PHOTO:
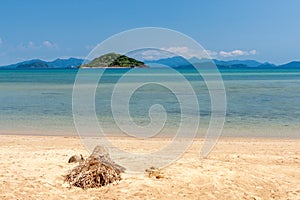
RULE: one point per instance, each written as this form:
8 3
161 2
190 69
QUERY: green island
114 60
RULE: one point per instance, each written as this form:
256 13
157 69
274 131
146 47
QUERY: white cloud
212 54
29 45
177 50
149 54
189 53
180 51
34 46
237 52
155 54
49 44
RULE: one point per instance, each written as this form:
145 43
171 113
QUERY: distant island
114 60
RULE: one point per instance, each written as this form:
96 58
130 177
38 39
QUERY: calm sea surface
264 103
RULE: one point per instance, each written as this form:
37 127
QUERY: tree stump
96 171
102 155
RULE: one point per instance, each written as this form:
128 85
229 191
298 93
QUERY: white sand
238 168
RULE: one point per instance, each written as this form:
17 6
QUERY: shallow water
261 103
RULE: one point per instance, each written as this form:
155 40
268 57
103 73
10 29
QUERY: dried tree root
96 171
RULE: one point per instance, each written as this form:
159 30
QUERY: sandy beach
32 167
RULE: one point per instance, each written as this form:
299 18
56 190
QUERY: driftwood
96 171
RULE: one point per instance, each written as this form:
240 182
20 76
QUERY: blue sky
258 29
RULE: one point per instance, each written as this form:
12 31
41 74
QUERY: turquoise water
261 103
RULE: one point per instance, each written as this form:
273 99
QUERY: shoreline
151 138
259 132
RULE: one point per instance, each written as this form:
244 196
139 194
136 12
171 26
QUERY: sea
259 102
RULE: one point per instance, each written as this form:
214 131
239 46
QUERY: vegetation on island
114 60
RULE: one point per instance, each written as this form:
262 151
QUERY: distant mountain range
178 61
175 62
40 64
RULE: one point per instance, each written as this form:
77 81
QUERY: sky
264 30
